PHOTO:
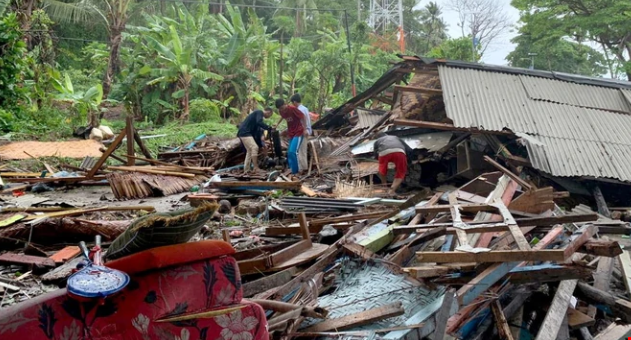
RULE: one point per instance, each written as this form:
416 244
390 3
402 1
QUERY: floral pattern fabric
196 301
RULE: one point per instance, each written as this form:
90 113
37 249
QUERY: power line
258 6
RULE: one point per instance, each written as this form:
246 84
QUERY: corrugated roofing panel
468 102
575 94
577 141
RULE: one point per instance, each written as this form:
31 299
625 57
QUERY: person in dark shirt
296 130
391 149
251 137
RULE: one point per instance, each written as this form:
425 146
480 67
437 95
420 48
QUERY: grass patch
178 134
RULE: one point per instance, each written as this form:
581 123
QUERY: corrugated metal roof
562 92
577 141
367 118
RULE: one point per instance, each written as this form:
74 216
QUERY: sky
497 52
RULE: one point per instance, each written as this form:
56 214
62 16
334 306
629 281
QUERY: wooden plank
548 273
446 127
614 331
308 191
65 254
491 256
491 275
105 155
290 252
420 238
141 144
150 170
503 329
433 271
349 218
258 184
600 202
576 319
415 89
535 201
525 185
359 251
304 227
602 248
578 238
558 311
359 319
65 213
257 286
515 231
470 208
443 314
625 266
26 260
619 307
602 277
129 130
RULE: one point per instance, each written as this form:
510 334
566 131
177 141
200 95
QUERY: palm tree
434 26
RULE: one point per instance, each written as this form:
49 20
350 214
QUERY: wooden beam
525 185
522 222
576 319
603 248
515 231
257 286
619 307
625 266
446 127
420 238
443 314
503 329
258 184
558 311
290 252
415 89
141 144
105 155
578 238
435 270
359 319
602 277
129 129
304 227
471 208
496 256
28 260
614 331
600 202
496 272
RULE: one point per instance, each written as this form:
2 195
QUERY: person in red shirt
296 130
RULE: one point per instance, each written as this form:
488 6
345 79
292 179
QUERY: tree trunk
280 93
184 116
113 64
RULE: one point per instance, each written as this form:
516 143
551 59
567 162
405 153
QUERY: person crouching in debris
296 130
250 136
391 149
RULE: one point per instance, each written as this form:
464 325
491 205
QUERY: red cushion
177 254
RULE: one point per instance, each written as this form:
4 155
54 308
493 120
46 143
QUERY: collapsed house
569 130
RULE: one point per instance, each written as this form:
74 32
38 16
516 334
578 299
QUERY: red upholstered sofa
182 292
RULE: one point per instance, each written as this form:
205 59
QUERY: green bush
204 110
13 61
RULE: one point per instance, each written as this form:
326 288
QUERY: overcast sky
496 53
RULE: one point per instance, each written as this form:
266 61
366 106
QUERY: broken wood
67 253
106 154
26 260
257 286
491 256
150 170
557 312
446 127
359 319
576 319
619 307
503 329
604 248
525 185
443 314
625 266
259 184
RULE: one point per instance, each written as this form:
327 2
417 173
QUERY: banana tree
177 63
85 104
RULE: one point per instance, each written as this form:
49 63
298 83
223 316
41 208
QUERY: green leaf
178 94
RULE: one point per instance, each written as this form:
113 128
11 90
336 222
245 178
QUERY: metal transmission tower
385 15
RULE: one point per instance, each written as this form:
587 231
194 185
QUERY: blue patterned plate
97 281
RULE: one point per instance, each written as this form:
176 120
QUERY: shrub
204 110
